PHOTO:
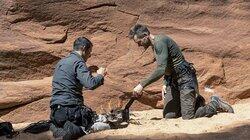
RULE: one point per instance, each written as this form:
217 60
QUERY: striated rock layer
35 34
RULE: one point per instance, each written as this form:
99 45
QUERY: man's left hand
102 71
137 92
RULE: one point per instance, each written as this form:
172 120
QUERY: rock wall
35 34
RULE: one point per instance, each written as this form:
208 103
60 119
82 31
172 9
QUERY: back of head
82 43
139 30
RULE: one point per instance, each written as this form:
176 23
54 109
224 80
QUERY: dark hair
82 42
139 30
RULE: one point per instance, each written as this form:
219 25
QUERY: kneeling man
70 117
182 98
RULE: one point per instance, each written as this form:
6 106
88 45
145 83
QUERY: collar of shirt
76 54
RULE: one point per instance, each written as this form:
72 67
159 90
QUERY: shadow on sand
239 132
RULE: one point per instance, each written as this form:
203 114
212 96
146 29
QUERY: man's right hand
137 91
102 71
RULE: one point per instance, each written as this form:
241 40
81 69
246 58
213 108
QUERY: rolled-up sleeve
85 77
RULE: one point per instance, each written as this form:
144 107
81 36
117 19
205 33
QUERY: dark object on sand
125 111
38 127
6 129
119 116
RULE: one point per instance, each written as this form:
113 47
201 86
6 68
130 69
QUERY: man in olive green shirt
181 95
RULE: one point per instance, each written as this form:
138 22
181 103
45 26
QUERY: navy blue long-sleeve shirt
70 77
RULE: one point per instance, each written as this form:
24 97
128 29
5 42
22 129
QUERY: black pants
72 120
182 97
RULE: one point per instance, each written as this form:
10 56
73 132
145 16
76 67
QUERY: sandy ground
151 126
214 35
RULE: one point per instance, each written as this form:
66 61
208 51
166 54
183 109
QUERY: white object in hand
101 71
138 88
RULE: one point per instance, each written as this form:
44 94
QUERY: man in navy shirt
70 117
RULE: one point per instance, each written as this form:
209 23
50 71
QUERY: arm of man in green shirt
161 54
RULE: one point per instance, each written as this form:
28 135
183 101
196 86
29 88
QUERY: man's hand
102 71
93 68
163 91
137 92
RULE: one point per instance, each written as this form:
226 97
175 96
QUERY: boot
221 105
57 131
171 115
72 131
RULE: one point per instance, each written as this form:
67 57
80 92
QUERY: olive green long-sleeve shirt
167 54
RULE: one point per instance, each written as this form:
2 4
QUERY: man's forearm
157 74
98 81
